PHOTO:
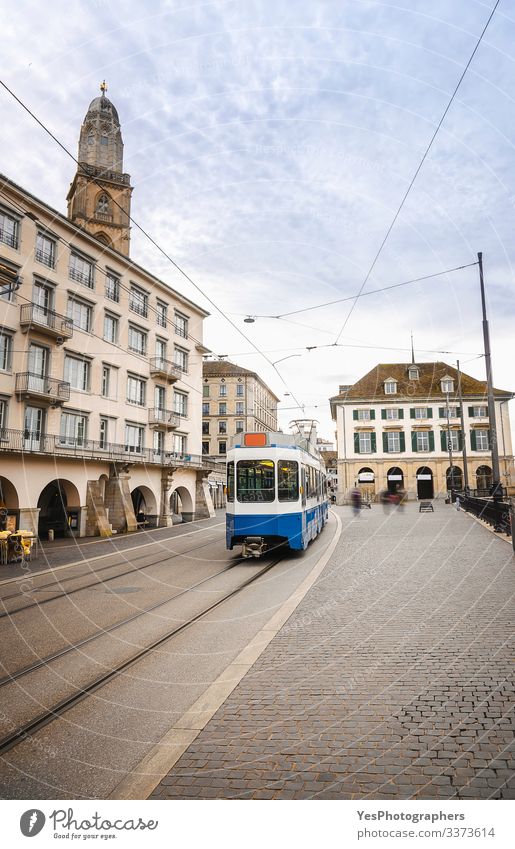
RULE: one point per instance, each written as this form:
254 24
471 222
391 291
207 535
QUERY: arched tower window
103 205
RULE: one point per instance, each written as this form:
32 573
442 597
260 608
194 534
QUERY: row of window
81 269
222 408
73 432
256 481
393 414
222 390
394 442
390 385
222 427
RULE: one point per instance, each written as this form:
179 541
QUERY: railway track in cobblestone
41 587
27 729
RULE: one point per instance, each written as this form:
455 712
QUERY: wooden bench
426 507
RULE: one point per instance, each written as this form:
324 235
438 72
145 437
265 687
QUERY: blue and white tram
276 492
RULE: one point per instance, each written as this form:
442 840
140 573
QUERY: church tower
99 199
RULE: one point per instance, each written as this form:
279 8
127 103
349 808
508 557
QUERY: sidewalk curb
146 775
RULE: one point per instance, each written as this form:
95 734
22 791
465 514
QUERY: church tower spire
99 199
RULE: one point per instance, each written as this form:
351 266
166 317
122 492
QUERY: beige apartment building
234 400
100 361
396 424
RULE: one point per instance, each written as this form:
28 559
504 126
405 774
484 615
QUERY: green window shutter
431 441
441 412
402 439
356 443
430 412
443 439
401 414
372 414
412 412
383 414
489 445
385 443
460 440
458 411
413 441
473 440
355 415
373 442
471 412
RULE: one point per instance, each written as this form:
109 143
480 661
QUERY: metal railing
44 317
8 238
167 418
84 277
38 384
495 513
159 365
36 442
46 257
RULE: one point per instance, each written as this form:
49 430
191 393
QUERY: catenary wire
417 172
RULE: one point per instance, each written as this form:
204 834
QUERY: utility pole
496 484
449 444
463 440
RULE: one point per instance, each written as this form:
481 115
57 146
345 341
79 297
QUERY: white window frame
9 235
365 443
393 442
115 324
222 390
363 415
81 270
240 408
161 313
133 329
138 300
181 323
482 436
421 413
180 358
77 372
134 445
390 387
480 411
180 403
136 390
392 414
73 428
85 310
422 436
6 351
45 249
447 385
240 390
112 287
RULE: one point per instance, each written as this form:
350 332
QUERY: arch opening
425 483
484 479
59 508
454 478
9 505
395 479
145 507
181 505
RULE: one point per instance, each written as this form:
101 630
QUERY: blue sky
269 144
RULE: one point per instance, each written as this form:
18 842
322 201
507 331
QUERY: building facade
234 400
402 426
100 374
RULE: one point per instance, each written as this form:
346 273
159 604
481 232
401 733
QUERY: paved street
390 680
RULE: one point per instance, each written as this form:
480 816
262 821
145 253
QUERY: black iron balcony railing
159 367
53 390
495 513
158 417
46 319
9 237
47 257
37 442
84 277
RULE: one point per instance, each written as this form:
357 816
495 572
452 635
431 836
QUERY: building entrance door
425 487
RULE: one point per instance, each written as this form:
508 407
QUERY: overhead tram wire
362 294
419 168
149 238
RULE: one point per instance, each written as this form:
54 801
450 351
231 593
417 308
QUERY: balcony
23 442
46 390
165 369
46 321
159 419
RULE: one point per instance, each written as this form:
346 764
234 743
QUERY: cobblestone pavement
390 680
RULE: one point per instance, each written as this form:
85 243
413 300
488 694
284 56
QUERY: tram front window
288 480
255 480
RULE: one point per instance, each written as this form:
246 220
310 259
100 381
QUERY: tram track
15 676
46 717
103 580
